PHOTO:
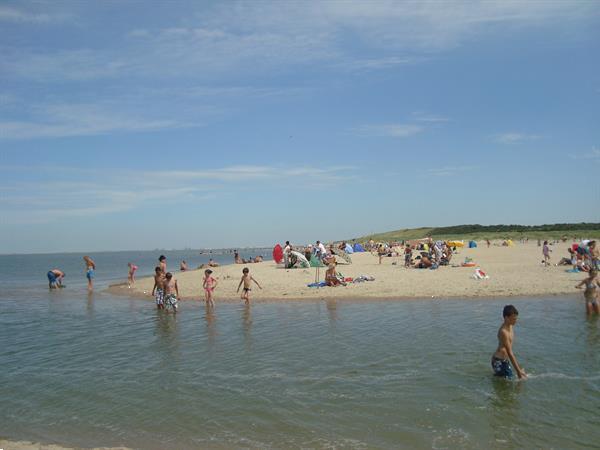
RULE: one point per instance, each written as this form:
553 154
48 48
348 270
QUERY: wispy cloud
64 120
448 170
11 14
515 138
397 130
93 192
593 155
431 118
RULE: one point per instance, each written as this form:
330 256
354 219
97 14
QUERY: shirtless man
247 280
162 263
55 278
158 291
171 291
504 356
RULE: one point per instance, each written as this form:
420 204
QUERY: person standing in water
504 357
171 291
90 267
209 284
591 292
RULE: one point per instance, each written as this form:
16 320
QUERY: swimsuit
502 367
159 295
209 284
89 273
52 278
171 300
247 289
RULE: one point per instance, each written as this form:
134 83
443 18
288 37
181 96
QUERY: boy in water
158 291
246 279
171 291
504 357
209 284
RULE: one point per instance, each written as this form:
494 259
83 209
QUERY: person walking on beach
162 263
546 251
209 284
247 280
90 266
504 356
158 291
171 291
591 293
131 273
55 277
407 256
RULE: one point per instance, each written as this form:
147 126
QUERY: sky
141 125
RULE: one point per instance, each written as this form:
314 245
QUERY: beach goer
131 273
381 251
158 291
90 266
236 258
55 277
487 241
592 292
407 256
287 251
209 284
162 263
331 277
595 255
321 251
546 252
183 266
247 282
212 263
171 291
504 360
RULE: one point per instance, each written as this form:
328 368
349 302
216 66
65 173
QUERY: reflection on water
412 374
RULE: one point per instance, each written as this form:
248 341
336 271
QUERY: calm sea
98 370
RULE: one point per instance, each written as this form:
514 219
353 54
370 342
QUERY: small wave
563 376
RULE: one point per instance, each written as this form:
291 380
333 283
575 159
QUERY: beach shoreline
514 271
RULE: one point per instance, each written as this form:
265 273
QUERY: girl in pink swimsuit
209 286
131 273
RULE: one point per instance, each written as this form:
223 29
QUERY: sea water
83 370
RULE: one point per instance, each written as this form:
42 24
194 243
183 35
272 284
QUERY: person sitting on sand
237 259
258 259
591 293
425 262
504 356
55 277
183 266
212 263
331 277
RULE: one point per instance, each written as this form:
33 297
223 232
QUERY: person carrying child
246 281
209 284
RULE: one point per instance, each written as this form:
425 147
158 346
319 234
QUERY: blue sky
136 125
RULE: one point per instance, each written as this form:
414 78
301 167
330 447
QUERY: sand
26 445
513 271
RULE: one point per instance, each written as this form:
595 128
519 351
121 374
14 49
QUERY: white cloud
92 192
593 155
448 170
515 138
390 130
423 117
10 14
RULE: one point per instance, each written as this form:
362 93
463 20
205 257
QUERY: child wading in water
246 280
158 291
209 286
591 292
504 356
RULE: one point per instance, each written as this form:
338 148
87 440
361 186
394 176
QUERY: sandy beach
513 271
26 445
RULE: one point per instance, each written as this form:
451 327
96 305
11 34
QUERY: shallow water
98 370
